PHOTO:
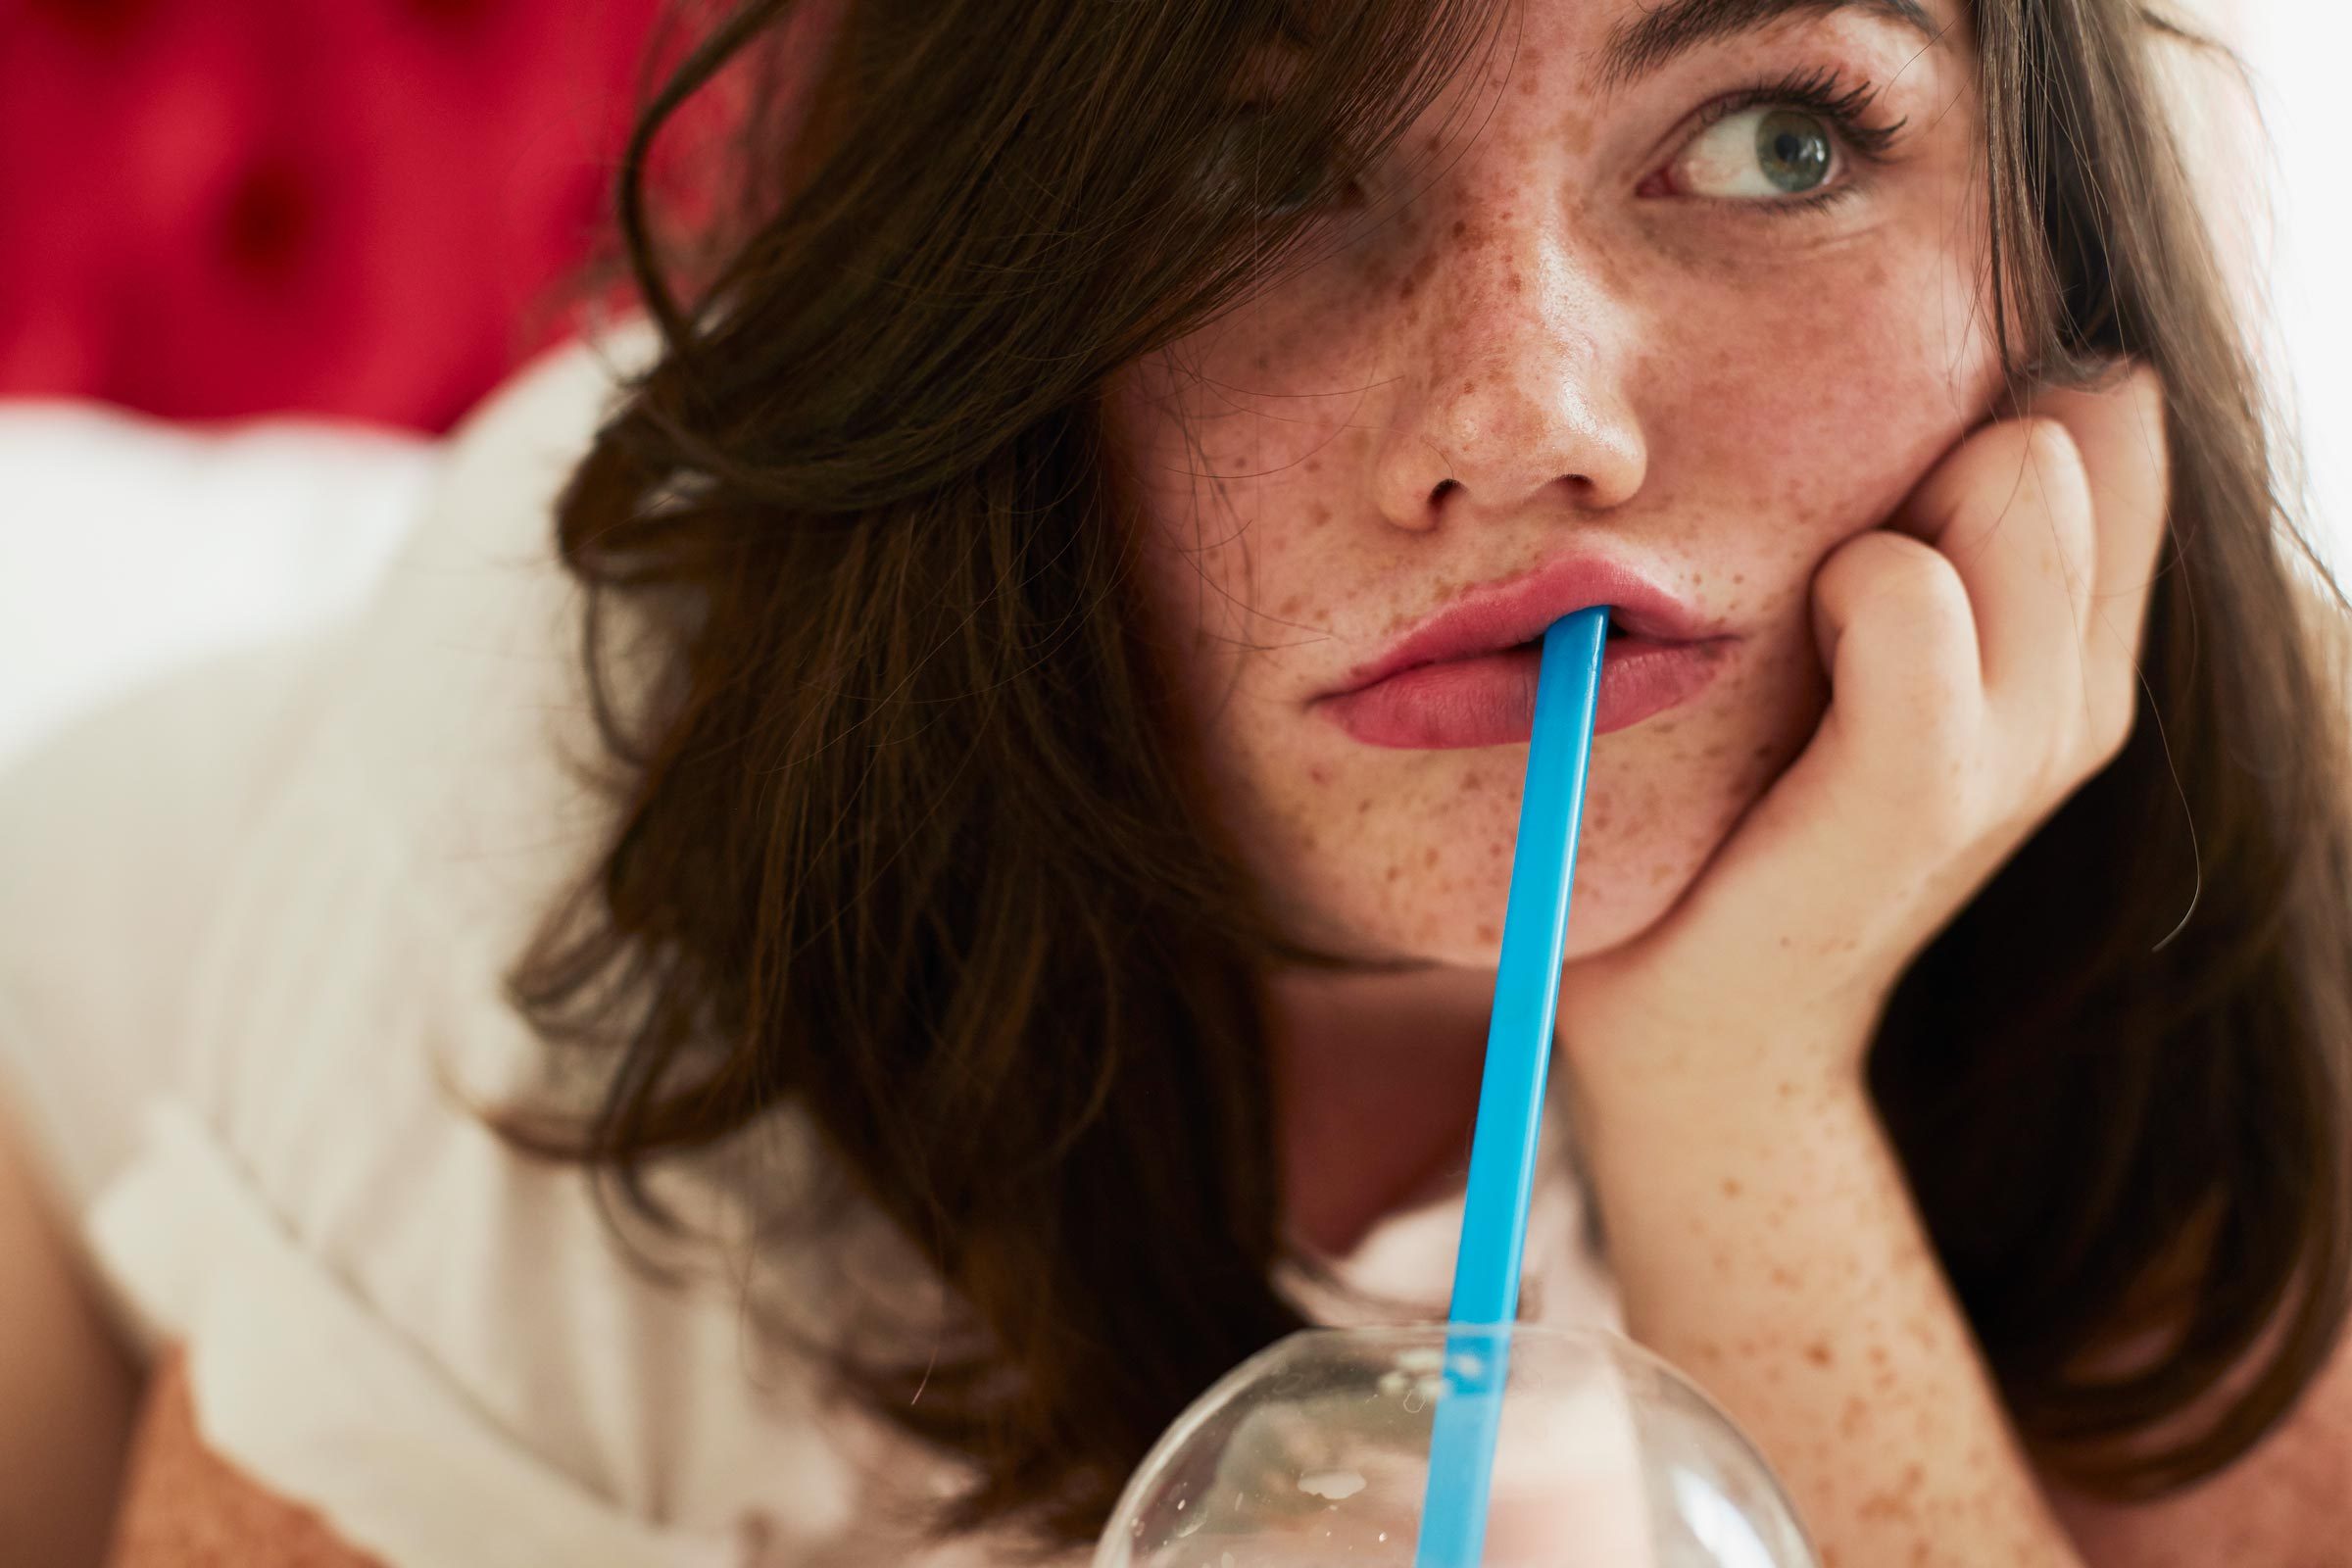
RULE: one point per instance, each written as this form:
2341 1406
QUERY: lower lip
1490 700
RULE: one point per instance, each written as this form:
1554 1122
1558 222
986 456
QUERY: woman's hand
1982 654
1982 657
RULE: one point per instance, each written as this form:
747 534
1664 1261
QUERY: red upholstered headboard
370 208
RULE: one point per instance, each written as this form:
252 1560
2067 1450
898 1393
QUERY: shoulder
384 1315
154 844
114 838
254 923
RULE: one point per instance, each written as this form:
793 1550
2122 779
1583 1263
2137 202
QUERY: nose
1519 400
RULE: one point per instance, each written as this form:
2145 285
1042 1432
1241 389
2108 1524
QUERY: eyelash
1821 92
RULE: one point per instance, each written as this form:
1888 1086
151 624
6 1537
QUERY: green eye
1758 154
1793 150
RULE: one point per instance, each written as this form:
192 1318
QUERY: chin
1615 911
1607 915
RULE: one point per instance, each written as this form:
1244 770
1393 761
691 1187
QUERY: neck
1376 1078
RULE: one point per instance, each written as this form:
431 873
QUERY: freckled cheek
1791 429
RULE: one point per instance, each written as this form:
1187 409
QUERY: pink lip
1467 677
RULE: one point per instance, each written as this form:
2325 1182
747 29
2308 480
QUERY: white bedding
129 546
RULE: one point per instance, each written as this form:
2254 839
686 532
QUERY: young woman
1036 870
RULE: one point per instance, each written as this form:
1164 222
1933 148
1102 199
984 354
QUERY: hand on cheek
1982 658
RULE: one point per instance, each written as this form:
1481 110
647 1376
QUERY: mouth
1514 613
1467 676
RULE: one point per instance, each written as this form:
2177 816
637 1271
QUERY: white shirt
253 925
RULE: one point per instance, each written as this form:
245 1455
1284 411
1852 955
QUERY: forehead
1614 42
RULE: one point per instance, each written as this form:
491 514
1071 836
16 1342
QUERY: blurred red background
365 207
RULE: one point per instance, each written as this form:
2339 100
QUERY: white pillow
130 544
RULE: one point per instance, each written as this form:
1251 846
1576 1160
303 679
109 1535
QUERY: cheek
1804 417
1245 481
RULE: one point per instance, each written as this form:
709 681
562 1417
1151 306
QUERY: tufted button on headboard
367 208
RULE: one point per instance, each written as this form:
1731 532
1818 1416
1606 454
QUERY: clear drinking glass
1315 1455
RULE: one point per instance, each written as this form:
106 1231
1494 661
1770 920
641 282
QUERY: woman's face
1688 327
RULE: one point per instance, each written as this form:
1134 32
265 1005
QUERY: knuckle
2048 445
2056 474
1874 566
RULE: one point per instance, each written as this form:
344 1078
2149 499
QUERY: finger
2120 432
1879 794
2011 509
1895 629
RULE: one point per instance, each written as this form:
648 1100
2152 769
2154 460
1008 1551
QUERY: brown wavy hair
907 837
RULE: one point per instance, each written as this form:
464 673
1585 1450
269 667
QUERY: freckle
1318 773
1731 1187
1392 877
1818 1352
1429 857
1259 362
1469 387
1290 605
1363 806
1319 515
1314 464
1495 850
1460 228
1473 783
1404 290
1487 933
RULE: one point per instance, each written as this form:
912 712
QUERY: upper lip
1504 615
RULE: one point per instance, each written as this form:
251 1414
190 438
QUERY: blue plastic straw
1510 1097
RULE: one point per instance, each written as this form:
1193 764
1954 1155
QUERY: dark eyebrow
1645 44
